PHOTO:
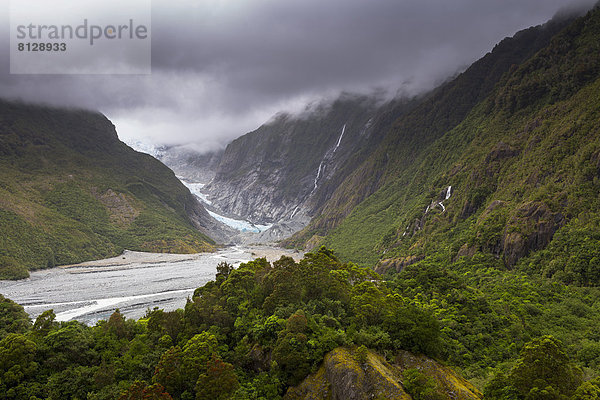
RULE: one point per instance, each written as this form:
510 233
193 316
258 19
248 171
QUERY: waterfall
340 139
327 155
318 174
294 212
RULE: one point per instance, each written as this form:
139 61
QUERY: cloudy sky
220 68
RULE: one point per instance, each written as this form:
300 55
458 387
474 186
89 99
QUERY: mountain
71 191
474 215
315 168
190 163
437 113
288 167
477 149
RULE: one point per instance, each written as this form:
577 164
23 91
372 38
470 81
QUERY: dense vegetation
488 219
492 260
487 314
408 140
70 191
261 328
254 331
523 165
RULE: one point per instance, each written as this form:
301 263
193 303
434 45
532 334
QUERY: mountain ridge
440 110
535 111
289 172
72 191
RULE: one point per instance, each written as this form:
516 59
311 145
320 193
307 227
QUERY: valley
441 244
133 282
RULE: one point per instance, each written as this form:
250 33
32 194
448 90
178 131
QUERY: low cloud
220 68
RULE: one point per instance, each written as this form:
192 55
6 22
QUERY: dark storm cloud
276 47
221 67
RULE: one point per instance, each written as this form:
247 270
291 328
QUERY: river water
133 282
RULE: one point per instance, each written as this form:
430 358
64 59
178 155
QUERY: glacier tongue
237 224
195 189
240 225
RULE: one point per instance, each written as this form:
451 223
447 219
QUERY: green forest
262 328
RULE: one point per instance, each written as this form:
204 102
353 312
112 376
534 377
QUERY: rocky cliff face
344 376
190 163
286 169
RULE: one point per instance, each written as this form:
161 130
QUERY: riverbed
132 282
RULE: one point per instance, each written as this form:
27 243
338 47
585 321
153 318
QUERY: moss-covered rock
343 377
450 385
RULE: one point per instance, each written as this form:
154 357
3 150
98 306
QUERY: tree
544 370
44 323
500 388
71 383
68 346
165 323
291 352
178 369
168 372
588 391
223 271
13 318
218 382
196 353
361 354
139 390
116 325
419 385
16 360
413 328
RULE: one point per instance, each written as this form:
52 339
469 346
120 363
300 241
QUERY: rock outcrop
396 264
345 376
530 228
289 166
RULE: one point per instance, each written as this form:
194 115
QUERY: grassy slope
70 191
535 140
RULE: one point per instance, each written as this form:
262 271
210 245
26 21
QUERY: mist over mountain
221 69
325 160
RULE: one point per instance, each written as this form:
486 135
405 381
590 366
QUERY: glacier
237 224
195 189
240 225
